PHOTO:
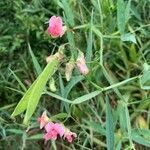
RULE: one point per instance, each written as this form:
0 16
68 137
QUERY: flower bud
69 68
52 85
81 64
43 120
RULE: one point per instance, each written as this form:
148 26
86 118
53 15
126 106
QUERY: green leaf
86 97
89 41
61 83
109 126
7 106
18 80
38 88
15 131
68 12
35 62
128 37
59 116
22 105
145 79
35 137
122 116
121 20
71 40
58 97
127 11
138 138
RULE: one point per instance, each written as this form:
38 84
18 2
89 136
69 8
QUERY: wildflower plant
95 56
31 98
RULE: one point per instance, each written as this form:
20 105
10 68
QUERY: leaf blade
38 88
109 126
121 16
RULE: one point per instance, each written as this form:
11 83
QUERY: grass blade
137 137
68 12
35 62
121 15
109 126
86 97
89 42
19 81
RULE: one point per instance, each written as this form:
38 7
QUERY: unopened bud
69 68
81 64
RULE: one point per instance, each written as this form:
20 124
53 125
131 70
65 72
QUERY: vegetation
109 108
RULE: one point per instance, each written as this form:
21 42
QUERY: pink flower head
69 136
43 120
81 64
53 130
55 28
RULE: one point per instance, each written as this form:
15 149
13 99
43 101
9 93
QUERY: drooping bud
43 120
81 64
69 68
52 85
69 136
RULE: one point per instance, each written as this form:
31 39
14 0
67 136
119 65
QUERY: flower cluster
55 130
56 29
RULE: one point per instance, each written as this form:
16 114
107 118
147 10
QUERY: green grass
110 107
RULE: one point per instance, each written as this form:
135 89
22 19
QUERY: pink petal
55 28
49 126
43 120
49 136
60 129
59 21
52 20
81 64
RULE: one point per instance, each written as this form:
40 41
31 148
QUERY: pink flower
53 130
55 28
43 120
69 136
81 64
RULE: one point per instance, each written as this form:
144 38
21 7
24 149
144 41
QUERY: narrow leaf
109 126
121 15
35 62
127 11
59 116
145 79
86 97
138 138
58 97
89 41
68 12
18 80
